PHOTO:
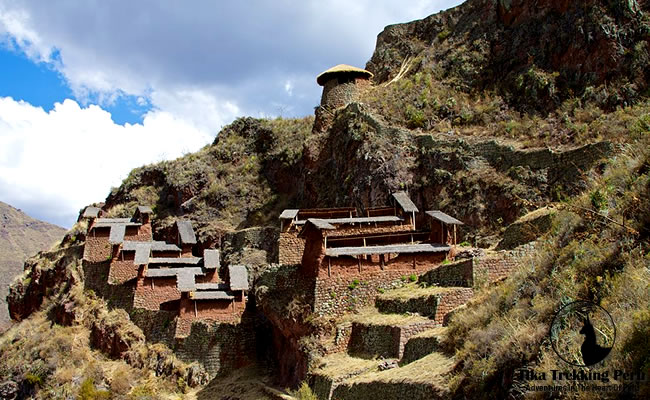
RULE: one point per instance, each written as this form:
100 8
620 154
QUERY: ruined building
160 276
339 249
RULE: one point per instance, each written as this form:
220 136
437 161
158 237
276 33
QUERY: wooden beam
359 261
329 266
196 311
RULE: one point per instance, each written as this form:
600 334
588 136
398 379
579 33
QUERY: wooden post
364 242
326 241
329 266
152 283
359 261
414 264
411 238
196 311
381 261
454 235
413 221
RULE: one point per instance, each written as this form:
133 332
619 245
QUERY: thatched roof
341 69
186 232
440 216
238 277
211 259
405 202
393 248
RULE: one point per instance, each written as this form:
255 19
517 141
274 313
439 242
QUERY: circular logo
582 333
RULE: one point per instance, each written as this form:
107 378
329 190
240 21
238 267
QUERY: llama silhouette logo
582 333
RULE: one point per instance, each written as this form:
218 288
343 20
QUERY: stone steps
423 344
381 335
434 302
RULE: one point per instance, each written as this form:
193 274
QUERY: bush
304 392
88 391
413 278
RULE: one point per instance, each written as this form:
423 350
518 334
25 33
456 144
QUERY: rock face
535 54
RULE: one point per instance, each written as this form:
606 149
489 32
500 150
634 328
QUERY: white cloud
53 163
198 66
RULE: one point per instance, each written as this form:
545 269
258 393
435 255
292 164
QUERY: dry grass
430 370
248 383
439 332
341 364
411 291
371 316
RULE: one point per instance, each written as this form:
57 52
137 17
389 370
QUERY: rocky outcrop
536 54
45 274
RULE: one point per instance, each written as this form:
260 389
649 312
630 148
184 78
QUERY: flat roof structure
395 248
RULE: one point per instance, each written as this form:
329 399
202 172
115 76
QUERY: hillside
530 123
20 237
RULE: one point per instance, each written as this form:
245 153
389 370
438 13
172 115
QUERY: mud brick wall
122 269
449 300
140 233
387 390
207 310
97 249
218 347
290 248
338 294
337 94
211 276
150 297
460 273
96 279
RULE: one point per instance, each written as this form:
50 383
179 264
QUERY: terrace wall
338 293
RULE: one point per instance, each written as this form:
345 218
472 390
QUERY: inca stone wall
460 273
348 289
337 94
219 347
387 390
386 341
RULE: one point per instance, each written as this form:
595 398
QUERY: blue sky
91 89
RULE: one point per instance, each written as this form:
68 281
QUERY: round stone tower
342 84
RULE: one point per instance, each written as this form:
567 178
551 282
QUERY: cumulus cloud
228 50
54 163
197 66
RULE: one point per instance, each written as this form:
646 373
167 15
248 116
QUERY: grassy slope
598 251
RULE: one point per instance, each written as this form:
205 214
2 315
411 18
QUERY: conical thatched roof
341 69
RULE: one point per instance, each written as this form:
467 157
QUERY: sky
90 89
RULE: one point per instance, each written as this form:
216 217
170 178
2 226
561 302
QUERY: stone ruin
162 276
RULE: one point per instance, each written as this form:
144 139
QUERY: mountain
527 121
20 237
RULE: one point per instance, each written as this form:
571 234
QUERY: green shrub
33 379
465 244
413 278
381 290
304 392
88 391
